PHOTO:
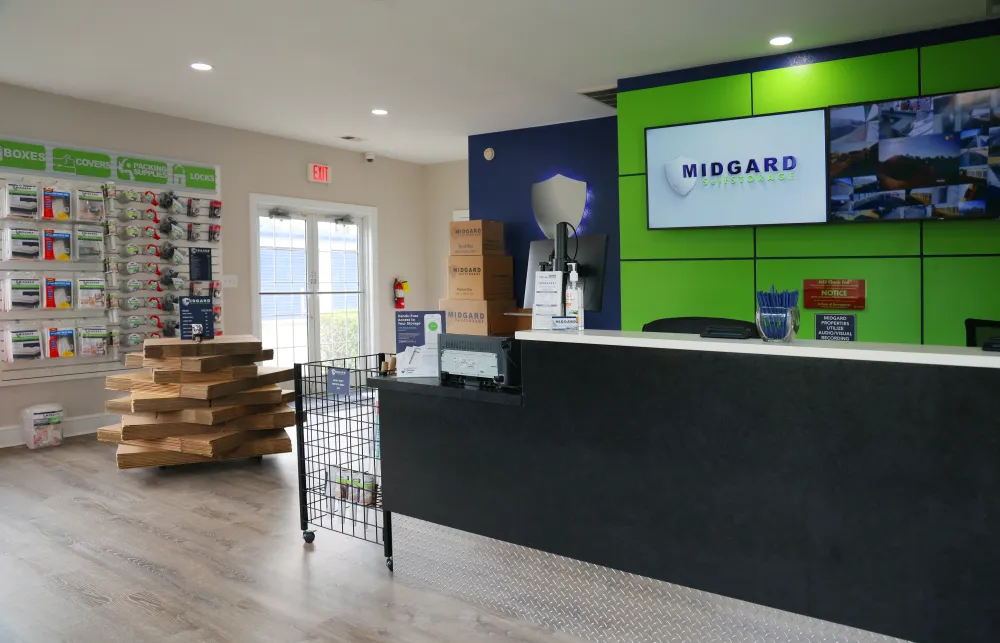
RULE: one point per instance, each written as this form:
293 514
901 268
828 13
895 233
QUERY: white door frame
366 217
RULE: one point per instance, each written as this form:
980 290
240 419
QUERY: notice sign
837 328
338 381
835 294
197 310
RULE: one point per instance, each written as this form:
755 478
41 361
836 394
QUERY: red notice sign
835 294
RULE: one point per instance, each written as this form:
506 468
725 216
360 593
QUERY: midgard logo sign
682 172
478 318
763 170
466 270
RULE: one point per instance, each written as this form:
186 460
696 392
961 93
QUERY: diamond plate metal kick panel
588 601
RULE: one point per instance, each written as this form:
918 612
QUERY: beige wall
446 189
251 163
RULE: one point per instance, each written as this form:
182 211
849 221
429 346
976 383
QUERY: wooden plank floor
200 553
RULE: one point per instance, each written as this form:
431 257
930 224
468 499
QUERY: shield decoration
558 199
675 175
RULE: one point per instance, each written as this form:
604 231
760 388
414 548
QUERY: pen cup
778 324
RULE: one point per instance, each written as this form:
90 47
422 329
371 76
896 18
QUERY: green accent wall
711 272
852 80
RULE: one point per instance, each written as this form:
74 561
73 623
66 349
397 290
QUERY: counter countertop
433 386
862 351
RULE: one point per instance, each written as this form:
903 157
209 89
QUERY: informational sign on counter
837 328
417 333
197 310
549 299
835 294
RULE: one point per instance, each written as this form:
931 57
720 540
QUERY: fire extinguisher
400 287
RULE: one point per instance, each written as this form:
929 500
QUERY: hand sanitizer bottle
574 296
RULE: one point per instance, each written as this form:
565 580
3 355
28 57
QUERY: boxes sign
478 317
484 277
476 238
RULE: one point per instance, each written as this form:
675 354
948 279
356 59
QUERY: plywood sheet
212 390
264 395
178 376
162 425
224 345
263 443
205 444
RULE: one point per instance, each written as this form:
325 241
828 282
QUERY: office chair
977 331
697 325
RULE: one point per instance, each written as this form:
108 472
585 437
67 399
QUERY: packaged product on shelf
21 201
90 206
128 231
60 339
132 321
129 249
58 244
149 197
93 341
215 233
152 268
176 282
131 285
111 264
22 243
170 328
193 207
153 285
57 205
154 335
338 483
89 243
129 214
130 267
24 342
131 302
59 291
132 340
91 292
127 195
215 210
149 214
217 313
194 232
151 232
156 321
23 291
363 489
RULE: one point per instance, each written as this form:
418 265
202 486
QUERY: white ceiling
314 69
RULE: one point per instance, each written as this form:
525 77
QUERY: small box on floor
480 317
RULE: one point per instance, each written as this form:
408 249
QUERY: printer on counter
473 360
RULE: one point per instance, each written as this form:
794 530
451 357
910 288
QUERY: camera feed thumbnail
919 158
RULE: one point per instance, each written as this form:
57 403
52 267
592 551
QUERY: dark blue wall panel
500 190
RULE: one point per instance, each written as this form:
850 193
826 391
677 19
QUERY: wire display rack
338 449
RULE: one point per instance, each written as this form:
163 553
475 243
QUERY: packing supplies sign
81 163
417 335
24 156
142 170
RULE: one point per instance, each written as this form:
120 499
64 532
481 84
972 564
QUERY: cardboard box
523 323
464 317
476 238
485 277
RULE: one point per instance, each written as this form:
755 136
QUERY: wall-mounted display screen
916 158
763 170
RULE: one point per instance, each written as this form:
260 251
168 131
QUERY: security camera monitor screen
764 170
919 158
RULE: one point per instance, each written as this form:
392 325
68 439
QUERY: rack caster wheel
388 563
308 536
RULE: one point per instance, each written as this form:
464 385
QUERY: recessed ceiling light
201 67
379 112
781 41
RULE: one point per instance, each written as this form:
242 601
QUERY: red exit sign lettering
835 294
319 173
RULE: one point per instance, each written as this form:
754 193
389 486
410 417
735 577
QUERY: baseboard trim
10 436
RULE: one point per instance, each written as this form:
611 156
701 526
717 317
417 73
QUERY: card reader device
486 362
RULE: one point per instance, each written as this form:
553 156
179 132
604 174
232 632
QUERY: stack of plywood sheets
199 402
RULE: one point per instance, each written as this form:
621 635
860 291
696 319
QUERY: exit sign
319 173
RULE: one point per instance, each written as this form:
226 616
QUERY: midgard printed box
478 317
476 238
490 277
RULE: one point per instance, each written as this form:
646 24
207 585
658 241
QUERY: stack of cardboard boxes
480 280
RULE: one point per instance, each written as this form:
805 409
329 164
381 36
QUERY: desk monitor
591 255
